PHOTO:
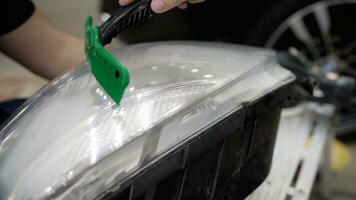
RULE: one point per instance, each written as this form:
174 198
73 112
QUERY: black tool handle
124 18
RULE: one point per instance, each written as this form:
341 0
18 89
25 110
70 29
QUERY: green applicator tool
111 75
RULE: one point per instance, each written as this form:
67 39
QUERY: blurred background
322 31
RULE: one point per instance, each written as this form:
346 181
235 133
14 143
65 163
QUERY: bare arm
42 48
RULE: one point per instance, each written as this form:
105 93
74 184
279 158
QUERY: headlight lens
71 141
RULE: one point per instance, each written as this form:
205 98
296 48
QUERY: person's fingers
157 6
125 2
160 6
183 5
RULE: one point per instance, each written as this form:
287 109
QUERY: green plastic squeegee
111 75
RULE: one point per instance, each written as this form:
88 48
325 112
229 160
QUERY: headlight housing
70 141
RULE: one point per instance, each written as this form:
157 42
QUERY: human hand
160 6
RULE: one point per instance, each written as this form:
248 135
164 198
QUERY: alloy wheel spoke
302 33
322 16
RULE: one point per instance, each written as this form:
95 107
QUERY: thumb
160 6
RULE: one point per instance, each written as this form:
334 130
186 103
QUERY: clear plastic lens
71 141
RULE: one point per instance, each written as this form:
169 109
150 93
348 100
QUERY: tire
274 17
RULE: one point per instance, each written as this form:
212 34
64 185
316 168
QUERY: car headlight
70 141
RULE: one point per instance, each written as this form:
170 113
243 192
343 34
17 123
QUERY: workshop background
69 15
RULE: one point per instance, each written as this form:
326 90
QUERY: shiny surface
70 141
